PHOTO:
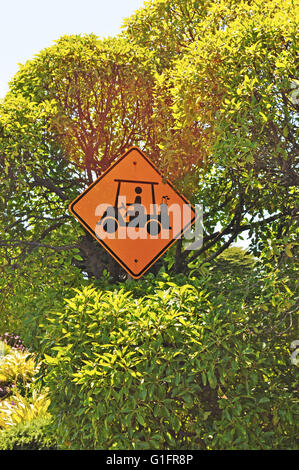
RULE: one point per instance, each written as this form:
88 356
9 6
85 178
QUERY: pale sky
27 26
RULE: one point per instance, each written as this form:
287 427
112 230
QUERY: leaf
212 379
265 119
288 251
140 419
50 360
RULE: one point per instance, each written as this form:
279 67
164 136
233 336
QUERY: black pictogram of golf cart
135 215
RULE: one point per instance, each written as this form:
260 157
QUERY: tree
222 128
206 88
225 88
69 113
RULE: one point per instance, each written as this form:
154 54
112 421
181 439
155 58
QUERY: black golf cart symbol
135 213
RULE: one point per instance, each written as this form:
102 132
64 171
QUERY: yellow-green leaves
17 367
170 365
22 409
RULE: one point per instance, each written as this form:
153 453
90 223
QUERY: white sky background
27 26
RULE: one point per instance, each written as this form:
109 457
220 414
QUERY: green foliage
223 129
17 367
23 401
23 409
225 74
235 261
198 360
4 349
12 340
28 436
173 370
91 89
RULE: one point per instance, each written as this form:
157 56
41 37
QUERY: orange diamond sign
133 212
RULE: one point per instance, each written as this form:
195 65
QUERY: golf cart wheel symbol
153 223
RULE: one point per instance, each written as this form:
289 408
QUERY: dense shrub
25 308
172 370
23 409
4 350
28 436
12 340
17 367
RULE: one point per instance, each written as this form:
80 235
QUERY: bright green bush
28 436
4 350
17 367
173 370
23 409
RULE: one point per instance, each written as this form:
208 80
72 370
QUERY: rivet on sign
135 260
